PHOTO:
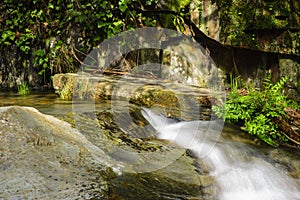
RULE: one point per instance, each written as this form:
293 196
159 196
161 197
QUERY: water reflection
46 102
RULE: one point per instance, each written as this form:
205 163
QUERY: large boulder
45 158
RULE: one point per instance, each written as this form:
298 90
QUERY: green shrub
23 89
56 35
256 109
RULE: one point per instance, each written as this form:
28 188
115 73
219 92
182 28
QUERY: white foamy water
240 173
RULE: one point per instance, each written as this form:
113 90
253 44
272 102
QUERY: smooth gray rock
42 157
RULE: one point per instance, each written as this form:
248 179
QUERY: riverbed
250 157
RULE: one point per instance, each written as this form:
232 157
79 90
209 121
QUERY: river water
238 168
45 102
242 168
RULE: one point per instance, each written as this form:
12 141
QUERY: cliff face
264 36
271 26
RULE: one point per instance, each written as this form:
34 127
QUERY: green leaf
123 5
41 72
101 24
51 6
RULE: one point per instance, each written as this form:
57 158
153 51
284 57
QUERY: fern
278 87
256 110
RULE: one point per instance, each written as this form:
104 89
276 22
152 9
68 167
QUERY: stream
239 169
243 168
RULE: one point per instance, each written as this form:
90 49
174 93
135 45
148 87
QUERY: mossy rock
137 91
186 177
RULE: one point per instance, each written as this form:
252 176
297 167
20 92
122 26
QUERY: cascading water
240 172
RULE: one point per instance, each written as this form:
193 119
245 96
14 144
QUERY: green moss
149 96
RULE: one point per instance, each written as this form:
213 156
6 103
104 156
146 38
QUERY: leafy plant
255 109
66 93
55 35
23 89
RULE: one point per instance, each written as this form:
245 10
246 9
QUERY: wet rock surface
45 158
152 169
180 180
140 91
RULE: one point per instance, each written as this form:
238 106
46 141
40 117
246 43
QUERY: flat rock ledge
138 90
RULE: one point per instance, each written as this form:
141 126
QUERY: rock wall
248 39
15 70
256 38
270 26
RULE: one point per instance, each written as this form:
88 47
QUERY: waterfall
240 172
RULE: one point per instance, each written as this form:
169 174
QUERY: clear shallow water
243 170
46 102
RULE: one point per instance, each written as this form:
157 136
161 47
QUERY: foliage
241 20
23 89
256 109
236 17
55 35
